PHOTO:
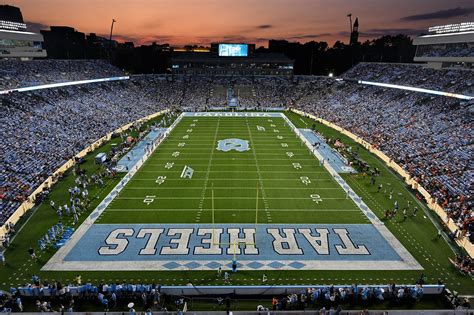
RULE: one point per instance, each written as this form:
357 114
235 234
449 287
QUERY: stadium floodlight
69 83
416 89
331 74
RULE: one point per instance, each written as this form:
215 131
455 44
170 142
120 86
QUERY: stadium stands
429 136
42 130
446 50
16 73
447 80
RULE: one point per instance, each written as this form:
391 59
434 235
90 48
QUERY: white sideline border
58 263
408 260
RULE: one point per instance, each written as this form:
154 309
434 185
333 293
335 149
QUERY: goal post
234 244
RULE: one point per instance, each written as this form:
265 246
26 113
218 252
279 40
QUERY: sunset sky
180 22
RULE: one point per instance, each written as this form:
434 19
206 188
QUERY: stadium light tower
110 39
350 24
112 29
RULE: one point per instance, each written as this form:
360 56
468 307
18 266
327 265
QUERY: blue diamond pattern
213 265
275 264
296 265
171 265
192 265
254 265
229 265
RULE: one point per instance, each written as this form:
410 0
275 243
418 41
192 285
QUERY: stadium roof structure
255 58
446 45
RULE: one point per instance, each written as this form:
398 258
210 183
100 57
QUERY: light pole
350 38
110 40
112 29
350 26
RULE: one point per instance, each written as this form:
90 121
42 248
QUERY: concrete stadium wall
30 202
463 242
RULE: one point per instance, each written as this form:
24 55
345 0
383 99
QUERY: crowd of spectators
41 130
464 264
446 50
16 73
417 75
50 296
429 136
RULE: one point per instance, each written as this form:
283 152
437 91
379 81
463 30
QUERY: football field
242 188
274 163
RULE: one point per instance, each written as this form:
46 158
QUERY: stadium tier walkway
331 156
128 161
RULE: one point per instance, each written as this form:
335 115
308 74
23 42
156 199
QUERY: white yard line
230 209
245 188
262 188
226 197
206 180
243 171
225 165
226 159
407 258
234 179
59 256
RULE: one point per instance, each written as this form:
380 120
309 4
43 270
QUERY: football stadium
232 178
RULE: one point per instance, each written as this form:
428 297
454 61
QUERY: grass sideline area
417 234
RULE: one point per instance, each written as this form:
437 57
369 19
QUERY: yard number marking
284 145
305 180
181 144
297 166
149 199
290 154
175 154
169 165
316 198
160 180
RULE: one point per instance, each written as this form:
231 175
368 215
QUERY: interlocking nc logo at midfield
227 145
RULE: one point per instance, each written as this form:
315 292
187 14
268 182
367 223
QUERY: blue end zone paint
87 249
337 162
127 162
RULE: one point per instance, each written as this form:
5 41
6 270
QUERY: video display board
233 50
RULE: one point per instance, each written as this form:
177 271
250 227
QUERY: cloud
440 15
308 36
264 26
378 32
36 27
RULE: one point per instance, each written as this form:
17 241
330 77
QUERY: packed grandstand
429 136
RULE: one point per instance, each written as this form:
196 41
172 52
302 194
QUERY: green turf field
234 178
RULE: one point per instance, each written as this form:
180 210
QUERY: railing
246 290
